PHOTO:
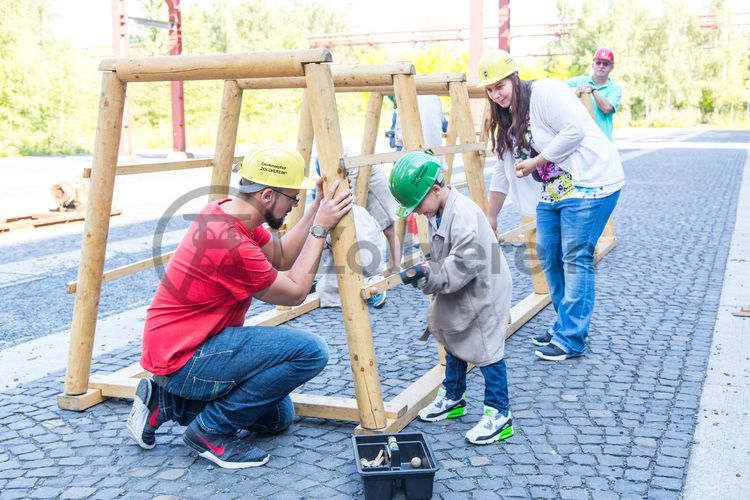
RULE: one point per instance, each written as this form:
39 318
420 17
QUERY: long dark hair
509 125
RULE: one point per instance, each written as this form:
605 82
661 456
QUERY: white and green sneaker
442 408
494 426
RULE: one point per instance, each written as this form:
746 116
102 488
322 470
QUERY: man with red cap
605 93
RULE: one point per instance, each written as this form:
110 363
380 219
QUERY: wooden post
535 268
369 139
473 162
214 67
305 136
450 140
408 112
95 231
356 318
226 141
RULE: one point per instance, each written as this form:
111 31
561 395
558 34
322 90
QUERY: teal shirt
611 91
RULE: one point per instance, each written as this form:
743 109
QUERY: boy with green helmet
471 284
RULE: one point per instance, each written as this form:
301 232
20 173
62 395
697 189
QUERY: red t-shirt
207 287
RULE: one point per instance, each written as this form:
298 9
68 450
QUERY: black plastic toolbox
396 470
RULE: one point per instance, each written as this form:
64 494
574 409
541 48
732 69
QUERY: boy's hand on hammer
416 275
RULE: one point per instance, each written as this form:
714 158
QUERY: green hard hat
411 178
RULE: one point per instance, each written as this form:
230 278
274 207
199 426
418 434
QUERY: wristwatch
319 231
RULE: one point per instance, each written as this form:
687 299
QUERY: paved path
617 423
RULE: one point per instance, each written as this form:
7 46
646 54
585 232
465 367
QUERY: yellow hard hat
495 65
275 165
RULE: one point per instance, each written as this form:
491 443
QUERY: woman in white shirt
539 129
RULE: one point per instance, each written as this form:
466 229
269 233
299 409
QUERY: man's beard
273 222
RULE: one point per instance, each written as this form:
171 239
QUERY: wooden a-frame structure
308 69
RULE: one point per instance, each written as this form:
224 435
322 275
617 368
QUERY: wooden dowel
355 315
214 67
380 286
95 231
226 140
127 270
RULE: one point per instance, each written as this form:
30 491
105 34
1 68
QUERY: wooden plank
113 386
274 317
391 281
525 310
80 402
338 408
214 67
603 247
127 270
40 220
518 234
415 397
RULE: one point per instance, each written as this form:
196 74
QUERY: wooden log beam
473 161
215 67
356 318
377 75
305 137
226 140
95 231
369 139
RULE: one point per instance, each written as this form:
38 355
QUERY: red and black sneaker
144 416
225 450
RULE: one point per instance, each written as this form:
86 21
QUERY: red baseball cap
604 53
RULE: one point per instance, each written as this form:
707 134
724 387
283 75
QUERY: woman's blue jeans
495 382
567 232
242 378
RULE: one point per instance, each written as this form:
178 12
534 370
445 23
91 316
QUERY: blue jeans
495 382
567 232
242 378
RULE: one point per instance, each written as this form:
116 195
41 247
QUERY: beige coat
471 283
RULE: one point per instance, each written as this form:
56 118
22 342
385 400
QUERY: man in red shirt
211 373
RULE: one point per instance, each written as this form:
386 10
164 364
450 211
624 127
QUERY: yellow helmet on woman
495 65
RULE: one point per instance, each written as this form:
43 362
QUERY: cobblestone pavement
616 423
